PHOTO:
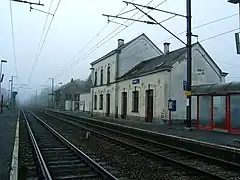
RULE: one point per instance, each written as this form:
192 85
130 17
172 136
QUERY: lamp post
92 81
58 100
236 2
52 94
237 35
1 79
11 90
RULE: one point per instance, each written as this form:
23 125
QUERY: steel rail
173 161
213 159
90 162
42 164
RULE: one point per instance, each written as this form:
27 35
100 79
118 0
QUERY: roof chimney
120 42
166 47
71 80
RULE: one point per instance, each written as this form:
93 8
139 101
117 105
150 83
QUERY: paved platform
8 120
219 138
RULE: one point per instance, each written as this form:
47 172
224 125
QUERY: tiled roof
158 63
76 82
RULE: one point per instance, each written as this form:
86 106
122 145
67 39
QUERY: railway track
57 158
199 164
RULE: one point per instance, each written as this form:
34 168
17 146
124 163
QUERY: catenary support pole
11 92
36 98
239 15
1 85
189 64
1 103
52 92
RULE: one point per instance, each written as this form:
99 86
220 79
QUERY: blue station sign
135 81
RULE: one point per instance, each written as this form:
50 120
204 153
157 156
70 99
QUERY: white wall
128 58
140 50
85 102
210 75
68 105
108 62
111 89
105 89
156 82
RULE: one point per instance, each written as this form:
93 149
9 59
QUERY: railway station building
136 80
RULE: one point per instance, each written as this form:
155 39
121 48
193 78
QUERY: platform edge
14 166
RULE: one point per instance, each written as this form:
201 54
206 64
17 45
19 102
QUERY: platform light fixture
1 79
237 35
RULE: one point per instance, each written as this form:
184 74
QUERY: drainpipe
92 89
116 88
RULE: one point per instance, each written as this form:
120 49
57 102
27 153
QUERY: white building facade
136 81
107 69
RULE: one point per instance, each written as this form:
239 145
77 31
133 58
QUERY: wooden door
107 104
124 105
149 105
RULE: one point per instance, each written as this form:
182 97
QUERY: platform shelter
218 106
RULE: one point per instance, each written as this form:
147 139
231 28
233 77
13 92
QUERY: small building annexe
218 106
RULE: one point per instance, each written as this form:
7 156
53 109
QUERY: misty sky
77 21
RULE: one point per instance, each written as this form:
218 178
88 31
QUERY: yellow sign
188 93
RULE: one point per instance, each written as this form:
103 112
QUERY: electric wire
202 25
44 27
41 47
13 39
72 60
198 26
98 46
81 50
218 35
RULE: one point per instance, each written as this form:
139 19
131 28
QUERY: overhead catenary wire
221 34
37 53
97 45
202 25
41 47
96 48
69 63
13 38
209 38
92 39
198 26
44 27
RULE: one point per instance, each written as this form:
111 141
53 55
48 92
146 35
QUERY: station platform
203 136
8 121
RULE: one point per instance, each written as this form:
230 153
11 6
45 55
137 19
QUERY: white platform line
14 166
